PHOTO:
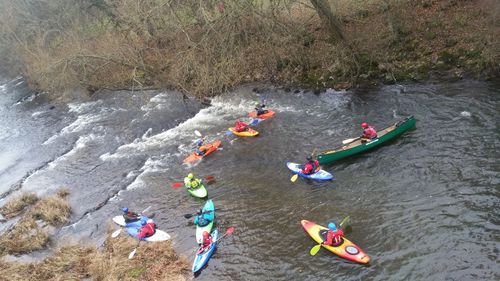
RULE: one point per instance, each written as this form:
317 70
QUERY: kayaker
206 242
240 126
334 235
311 166
201 149
202 218
130 216
191 182
369 132
259 108
148 229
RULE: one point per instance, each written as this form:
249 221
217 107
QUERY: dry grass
26 236
193 47
153 261
16 205
54 210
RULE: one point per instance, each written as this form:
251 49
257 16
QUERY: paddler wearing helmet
311 167
148 229
369 132
191 182
334 235
259 108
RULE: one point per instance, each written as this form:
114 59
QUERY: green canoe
357 146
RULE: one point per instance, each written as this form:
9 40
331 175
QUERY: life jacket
369 133
202 220
206 242
195 183
334 238
147 230
311 167
240 126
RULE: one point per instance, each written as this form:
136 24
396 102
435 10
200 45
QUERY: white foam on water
84 107
82 142
465 114
83 121
38 113
205 118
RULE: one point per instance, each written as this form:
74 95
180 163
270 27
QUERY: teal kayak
208 209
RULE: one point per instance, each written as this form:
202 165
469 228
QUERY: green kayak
357 146
200 191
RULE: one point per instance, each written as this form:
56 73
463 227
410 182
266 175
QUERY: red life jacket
334 238
369 133
310 167
147 230
207 242
240 126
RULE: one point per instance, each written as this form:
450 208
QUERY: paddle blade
187 216
345 220
228 133
294 178
177 185
209 179
348 140
132 254
145 210
314 250
116 233
196 132
254 122
230 231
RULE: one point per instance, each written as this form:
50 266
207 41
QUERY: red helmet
205 234
364 125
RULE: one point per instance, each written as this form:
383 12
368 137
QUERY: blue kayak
320 175
202 258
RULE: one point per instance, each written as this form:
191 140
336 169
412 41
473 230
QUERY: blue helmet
332 226
125 210
143 221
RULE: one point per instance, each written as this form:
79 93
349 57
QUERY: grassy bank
207 47
34 229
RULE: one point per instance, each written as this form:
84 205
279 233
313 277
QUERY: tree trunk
325 13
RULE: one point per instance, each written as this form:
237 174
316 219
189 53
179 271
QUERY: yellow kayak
248 133
346 250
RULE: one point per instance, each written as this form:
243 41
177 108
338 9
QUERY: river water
424 207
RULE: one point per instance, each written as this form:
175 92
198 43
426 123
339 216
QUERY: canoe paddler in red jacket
311 167
148 229
334 235
369 132
240 126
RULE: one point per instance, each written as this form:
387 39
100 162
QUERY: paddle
350 140
117 232
197 133
229 231
131 255
208 180
314 250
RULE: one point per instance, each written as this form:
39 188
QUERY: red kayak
209 148
267 115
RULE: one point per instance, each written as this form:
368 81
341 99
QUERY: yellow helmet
190 175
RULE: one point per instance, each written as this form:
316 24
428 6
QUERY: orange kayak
346 250
267 115
209 148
